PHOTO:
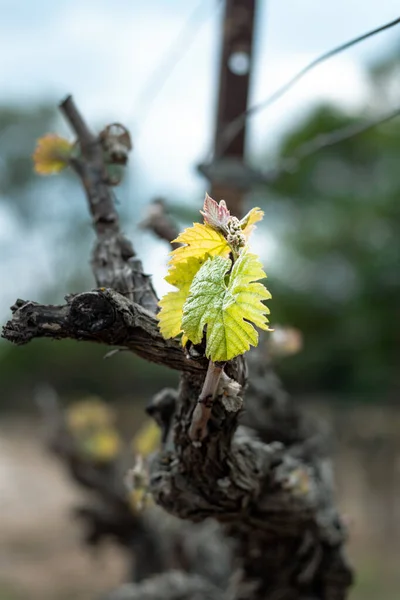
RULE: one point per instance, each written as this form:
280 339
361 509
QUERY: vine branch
202 411
101 316
114 261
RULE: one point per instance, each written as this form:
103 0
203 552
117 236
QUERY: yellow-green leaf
181 276
89 414
139 499
198 241
227 308
248 222
52 154
147 439
103 445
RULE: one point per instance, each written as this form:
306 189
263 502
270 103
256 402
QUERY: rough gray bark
276 500
154 541
263 473
103 316
172 585
114 261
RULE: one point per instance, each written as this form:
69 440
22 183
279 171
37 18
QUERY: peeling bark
101 316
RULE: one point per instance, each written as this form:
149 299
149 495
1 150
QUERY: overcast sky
105 52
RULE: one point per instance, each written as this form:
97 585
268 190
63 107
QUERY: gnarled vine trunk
255 496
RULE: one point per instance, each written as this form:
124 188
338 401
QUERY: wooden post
235 70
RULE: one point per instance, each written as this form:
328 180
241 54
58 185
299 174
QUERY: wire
326 140
233 128
291 163
173 55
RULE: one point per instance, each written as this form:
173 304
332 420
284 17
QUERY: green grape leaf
227 304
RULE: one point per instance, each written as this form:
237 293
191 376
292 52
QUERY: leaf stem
202 411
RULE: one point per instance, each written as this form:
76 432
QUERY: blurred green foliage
337 219
19 130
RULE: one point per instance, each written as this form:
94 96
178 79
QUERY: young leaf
181 276
103 445
216 215
89 414
147 439
52 154
227 309
139 499
248 222
137 481
199 240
